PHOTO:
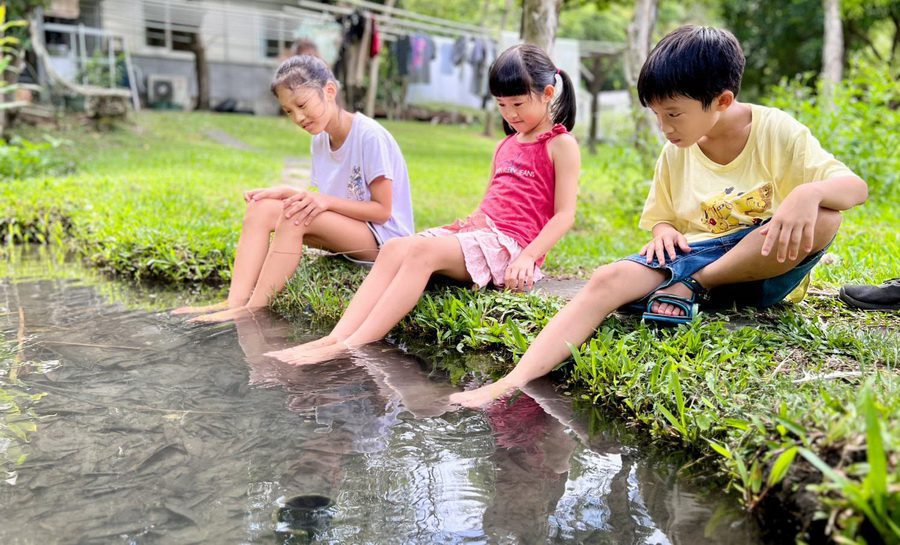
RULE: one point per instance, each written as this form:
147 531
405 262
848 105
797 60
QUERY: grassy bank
770 401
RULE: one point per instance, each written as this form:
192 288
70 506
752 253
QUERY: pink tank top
520 197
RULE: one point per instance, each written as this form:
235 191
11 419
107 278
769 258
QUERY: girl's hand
793 226
305 206
280 192
520 273
665 239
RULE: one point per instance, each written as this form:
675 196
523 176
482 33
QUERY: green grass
768 401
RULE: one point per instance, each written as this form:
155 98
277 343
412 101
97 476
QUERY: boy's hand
305 206
794 224
665 239
520 273
280 192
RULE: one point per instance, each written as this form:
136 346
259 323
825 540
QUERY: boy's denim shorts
758 293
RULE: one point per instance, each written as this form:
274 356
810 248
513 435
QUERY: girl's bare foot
223 315
301 355
480 397
204 309
295 351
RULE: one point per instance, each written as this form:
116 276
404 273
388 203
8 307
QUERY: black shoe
883 297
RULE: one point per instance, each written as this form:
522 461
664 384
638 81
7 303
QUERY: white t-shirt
368 153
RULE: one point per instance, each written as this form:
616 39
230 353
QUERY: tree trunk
201 68
832 48
539 21
640 31
599 73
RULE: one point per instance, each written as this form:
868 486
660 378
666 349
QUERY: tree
833 46
640 32
540 19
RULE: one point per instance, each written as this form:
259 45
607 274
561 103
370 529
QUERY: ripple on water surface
156 431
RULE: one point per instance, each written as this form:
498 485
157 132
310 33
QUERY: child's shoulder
774 123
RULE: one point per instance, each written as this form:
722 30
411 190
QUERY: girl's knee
288 227
263 213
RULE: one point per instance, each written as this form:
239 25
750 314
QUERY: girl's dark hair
696 62
526 70
302 71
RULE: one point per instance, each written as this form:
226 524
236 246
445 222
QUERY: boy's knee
827 226
605 276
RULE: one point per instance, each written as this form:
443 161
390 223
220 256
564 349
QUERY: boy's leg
745 262
260 219
610 287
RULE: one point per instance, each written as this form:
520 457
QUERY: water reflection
156 431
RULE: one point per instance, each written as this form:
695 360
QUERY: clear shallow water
156 431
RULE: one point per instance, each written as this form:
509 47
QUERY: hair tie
557 70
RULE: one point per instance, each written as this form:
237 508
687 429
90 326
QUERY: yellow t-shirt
704 200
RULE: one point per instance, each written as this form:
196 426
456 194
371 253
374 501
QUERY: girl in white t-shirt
362 202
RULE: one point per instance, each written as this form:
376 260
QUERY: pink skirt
487 251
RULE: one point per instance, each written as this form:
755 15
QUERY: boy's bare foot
679 290
295 351
313 355
480 397
223 315
204 309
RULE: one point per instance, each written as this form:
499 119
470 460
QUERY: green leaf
781 466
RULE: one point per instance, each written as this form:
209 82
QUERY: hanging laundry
446 59
402 50
459 50
423 52
354 26
375 45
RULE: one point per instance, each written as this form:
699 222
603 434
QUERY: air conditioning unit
165 91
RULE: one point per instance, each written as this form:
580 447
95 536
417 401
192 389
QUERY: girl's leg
391 292
330 230
260 219
442 255
745 262
610 287
376 282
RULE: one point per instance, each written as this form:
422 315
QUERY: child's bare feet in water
204 309
223 315
306 354
295 351
480 397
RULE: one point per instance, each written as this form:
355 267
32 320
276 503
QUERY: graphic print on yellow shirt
729 210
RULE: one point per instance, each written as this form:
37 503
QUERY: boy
744 203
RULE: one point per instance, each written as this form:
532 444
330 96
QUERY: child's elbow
566 218
383 215
863 191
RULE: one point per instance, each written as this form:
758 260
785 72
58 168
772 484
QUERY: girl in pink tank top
529 205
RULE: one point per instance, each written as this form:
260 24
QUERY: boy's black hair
695 62
526 70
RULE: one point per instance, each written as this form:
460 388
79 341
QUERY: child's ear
724 100
330 90
548 92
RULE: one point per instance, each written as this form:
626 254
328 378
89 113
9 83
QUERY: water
155 431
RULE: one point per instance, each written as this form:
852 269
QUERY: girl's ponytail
562 110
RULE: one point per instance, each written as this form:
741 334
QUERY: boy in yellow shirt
744 203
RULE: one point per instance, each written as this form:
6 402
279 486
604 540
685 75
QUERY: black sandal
690 305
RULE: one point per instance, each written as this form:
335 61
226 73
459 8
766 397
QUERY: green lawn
748 393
